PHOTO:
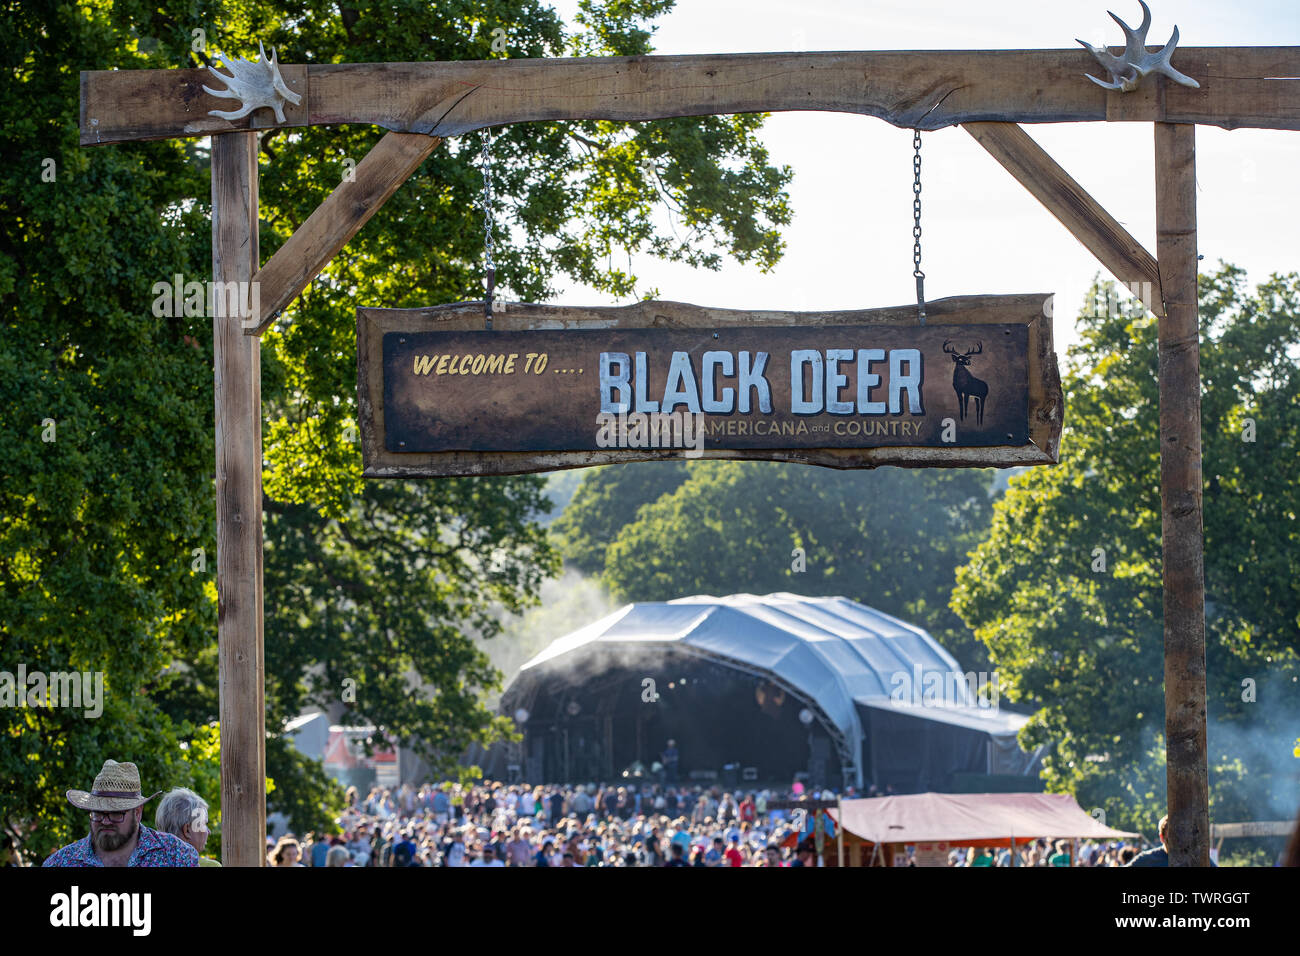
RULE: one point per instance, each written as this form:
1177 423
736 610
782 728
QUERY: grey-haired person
184 813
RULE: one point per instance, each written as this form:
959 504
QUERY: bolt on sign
552 387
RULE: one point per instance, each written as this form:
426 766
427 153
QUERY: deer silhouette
966 385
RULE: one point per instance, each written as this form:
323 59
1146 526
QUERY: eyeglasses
116 816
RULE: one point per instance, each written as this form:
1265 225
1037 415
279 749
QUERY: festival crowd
497 824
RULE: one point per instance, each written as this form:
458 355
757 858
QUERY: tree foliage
1066 591
607 500
890 538
100 566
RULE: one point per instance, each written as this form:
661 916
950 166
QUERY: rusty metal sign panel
554 387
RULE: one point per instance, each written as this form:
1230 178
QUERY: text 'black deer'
966 385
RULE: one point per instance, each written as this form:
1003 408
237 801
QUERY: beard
109 841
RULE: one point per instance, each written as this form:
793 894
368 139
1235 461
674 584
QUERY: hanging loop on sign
916 228
489 265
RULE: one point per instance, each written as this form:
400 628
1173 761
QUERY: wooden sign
554 387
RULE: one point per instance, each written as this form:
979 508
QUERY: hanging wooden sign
551 387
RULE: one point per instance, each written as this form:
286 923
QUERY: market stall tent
966 819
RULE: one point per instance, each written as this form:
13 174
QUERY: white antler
1127 71
255 83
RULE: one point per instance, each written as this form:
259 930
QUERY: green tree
107 543
105 440
890 538
607 500
1066 590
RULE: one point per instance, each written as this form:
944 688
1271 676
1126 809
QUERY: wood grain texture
1240 87
1065 199
1045 402
1188 838
119 105
337 220
237 381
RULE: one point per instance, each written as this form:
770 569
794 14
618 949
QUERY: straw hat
117 787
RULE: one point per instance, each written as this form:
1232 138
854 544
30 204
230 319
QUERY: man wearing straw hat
117 837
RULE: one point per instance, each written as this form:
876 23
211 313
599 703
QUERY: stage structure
758 691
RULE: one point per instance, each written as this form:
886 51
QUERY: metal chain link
916 227
489 265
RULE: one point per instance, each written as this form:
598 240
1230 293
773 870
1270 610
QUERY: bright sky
850 244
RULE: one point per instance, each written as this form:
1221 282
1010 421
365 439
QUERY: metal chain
916 228
489 265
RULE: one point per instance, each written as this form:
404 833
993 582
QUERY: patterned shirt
155 848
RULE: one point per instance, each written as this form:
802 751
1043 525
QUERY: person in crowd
543 856
727 811
484 856
714 856
671 802
654 852
320 848
581 803
338 856
670 759
518 850
441 806
733 855
286 852
117 837
184 813
748 811
1062 855
698 813
1158 856
359 845
404 850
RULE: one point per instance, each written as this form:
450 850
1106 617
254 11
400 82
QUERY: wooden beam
336 220
1065 199
237 380
1240 86
1188 837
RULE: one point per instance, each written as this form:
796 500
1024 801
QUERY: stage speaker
819 762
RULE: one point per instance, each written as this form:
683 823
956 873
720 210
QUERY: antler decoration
255 83
1127 71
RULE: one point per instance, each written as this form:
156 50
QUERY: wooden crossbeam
1240 87
336 220
1065 199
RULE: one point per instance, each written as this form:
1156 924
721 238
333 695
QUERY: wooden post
238 390
839 831
1188 837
